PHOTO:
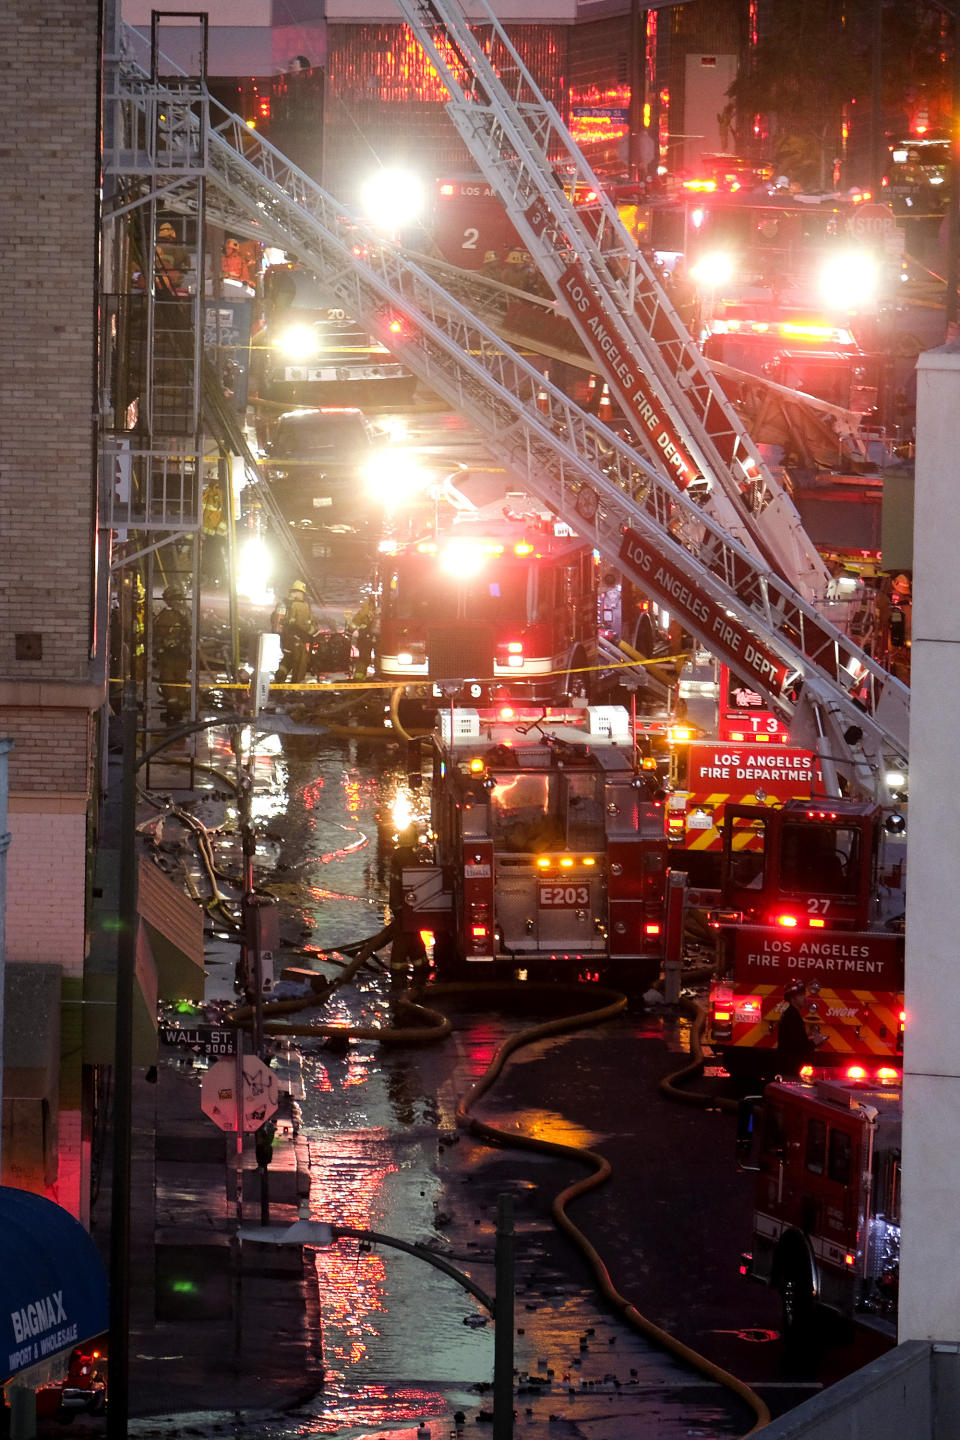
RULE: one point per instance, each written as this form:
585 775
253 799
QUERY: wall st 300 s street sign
201 1039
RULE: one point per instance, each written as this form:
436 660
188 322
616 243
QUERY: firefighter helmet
166 231
796 990
901 586
173 592
299 586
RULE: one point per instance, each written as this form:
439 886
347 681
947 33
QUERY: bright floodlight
253 571
713 269
849 280
298 342
395 478
392 199
461 558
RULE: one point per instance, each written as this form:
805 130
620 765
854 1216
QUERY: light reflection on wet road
402 1342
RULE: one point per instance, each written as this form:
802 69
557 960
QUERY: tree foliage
815 60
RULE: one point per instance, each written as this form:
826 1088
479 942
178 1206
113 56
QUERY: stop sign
871 222
218 1093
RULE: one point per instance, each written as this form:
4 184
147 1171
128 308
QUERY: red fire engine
826 1223
500 600
548 848
812 891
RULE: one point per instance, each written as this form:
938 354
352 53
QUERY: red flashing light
506 712
447 190
395 326
817 923
263 107
652 928
479 932
724 1015
849 1259
887 1075
787 921
806 1072
855 1072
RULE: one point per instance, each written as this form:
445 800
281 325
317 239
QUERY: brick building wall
49 690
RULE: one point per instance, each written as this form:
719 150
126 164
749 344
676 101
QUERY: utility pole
117 1412
503 1323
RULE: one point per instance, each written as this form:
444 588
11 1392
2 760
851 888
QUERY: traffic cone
543 401
605 410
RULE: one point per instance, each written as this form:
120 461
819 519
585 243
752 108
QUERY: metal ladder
835 697
665 386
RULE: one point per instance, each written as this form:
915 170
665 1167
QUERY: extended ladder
835 696
613 298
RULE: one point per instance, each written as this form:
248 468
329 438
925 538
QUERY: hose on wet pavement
611 1004
671 1086
434 1026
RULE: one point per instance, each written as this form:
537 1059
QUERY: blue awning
54 1292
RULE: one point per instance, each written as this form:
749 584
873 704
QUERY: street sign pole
235 1237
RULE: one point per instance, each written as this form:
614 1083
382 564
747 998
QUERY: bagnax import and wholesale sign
53 1286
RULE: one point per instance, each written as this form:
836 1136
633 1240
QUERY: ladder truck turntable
835 699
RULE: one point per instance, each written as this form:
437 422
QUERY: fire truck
548 852
503 597
826 1220
708 777
810 891
798 349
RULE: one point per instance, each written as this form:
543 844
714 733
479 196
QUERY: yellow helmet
298 585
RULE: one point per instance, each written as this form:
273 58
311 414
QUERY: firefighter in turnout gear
294 622
213 542
171 638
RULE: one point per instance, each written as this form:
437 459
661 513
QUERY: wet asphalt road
405 1345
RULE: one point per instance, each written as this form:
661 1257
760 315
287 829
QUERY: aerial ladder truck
665 386
836 698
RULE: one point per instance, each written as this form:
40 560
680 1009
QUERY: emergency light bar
786 329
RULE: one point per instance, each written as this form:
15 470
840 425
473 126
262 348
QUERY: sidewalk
214 1325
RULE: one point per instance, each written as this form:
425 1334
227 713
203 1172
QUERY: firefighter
171 261
362 628
295 623
171 637
900 628
795 1045
214 527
